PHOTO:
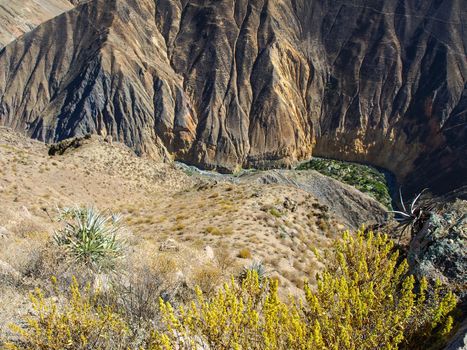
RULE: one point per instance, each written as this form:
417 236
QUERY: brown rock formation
21 16
252 82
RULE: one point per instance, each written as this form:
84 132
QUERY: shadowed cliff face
230 83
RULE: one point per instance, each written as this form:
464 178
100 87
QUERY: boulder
209 253
170 245
4 232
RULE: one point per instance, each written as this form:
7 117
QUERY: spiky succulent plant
414 215
90 236
257 267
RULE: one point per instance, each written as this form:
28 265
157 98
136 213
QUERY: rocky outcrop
19 17
438 250
67 145
459 340
230 83
352 206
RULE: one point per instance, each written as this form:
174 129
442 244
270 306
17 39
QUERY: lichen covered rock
438 251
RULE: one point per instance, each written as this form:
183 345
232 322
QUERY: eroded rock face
230 83
21 16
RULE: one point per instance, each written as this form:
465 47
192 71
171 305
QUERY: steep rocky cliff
21 16
230 83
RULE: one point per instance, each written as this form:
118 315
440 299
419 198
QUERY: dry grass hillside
189 228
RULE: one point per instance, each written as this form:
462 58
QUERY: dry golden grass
158 202
207 277
244 253
224 259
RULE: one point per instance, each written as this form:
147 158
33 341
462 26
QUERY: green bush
275 212
90 237
365 178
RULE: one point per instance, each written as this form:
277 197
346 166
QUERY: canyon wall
21 16
262 83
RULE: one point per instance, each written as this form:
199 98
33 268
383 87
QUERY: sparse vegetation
213 230
207 277
363 177
187 232
224 258
275 212
244 253
178 227
364 300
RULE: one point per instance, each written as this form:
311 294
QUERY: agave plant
413 216
255 266
90 236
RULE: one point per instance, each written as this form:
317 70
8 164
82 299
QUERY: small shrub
74 324
178 227
275 212
244 253
224 258
28 227
213 230
207 277
133 296
161 219
323 225
90 237
165 265
227 231
181 217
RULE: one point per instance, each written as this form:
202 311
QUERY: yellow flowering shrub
77 323
363 300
